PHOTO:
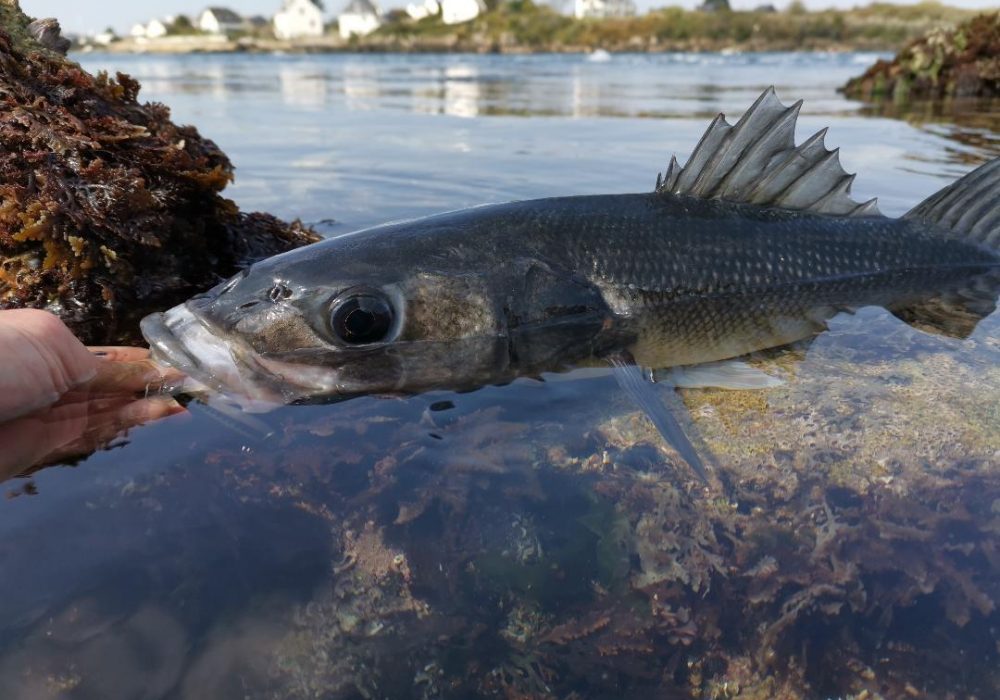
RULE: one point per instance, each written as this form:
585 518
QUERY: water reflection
972 123
462 91
302 89
371 138
639 85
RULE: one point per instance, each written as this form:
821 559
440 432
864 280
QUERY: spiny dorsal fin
969 208
756 161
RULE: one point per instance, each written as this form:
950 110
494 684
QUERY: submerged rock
107 208
963 62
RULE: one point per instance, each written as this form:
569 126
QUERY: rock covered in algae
957 63
107 208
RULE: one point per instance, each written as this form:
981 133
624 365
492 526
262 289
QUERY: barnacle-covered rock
107 208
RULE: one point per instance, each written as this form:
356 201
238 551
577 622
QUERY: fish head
353 315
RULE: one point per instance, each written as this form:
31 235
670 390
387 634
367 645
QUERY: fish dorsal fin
756 161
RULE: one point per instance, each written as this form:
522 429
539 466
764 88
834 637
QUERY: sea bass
753 244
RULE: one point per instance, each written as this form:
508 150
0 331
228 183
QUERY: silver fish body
753 244
488 294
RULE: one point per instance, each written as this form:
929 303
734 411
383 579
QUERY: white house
154 30
298 18
418 11
601 9
104 38
219 20
359 18
458 11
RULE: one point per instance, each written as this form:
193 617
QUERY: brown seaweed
945 64
107 208
476 567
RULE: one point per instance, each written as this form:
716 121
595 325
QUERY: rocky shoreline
523 27
455 44
108 210
963 62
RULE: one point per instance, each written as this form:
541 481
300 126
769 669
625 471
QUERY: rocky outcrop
107 208
957 63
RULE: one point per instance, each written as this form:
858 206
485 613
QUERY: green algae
944 64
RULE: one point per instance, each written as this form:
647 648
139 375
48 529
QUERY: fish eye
361 318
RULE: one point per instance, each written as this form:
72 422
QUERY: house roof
318 3
360 7
225 15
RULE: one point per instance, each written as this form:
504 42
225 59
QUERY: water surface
538 539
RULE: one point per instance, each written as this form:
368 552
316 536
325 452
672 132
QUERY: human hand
42 360
101 392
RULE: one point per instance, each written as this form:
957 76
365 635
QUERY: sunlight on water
368 139
535 540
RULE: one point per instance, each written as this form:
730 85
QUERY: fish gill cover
107 208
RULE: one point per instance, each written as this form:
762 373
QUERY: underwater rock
963 62
108 209
847 550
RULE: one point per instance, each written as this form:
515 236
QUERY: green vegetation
521 25
182 26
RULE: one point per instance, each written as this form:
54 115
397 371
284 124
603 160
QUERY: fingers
128 369
113 353
148 410
26 441
122 377
73 429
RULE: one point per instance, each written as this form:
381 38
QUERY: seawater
535 540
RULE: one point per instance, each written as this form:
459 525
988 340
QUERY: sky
91 17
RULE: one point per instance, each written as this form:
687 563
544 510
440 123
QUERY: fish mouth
164 345
180 338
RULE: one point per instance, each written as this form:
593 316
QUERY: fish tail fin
968 208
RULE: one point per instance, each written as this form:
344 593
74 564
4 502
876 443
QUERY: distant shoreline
333 45
527 28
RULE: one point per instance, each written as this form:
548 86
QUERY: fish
754 243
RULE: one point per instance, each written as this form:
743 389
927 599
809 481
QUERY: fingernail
84 377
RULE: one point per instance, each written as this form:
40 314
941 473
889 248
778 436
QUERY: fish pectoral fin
632 379
729 374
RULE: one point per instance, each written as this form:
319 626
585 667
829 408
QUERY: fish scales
735 267
754 243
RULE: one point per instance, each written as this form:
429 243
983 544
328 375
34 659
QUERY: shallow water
538 539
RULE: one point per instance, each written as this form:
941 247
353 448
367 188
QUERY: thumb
43 360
